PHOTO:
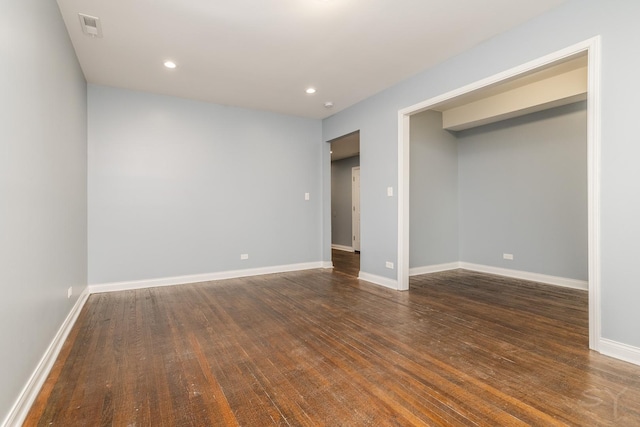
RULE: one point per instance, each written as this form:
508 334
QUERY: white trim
620 351
327 264
379 280
527 275
592 47
435 268
21 407
207 277
593 184
516 274
404 159
342 248
355 213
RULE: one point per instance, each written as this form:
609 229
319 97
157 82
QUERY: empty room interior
319 212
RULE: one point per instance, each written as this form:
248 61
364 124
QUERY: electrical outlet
307 196
244 256
389 264
69 292
389 191
507 256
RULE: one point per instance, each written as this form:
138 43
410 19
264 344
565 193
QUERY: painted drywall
341 200
378 212
434 192
518 187
523 191
572 22
43 219
180 187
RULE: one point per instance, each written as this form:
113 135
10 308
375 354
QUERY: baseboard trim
342 248
435 268
379 280
327 264
21 407
620 351
526 275
208 277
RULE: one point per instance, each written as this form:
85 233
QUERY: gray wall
523 190
180 187
518 186
570 23
341 200
43 220
433 236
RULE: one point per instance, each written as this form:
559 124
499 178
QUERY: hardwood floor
320 348
346 262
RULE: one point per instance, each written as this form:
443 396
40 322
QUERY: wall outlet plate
389 264
244 256
507 256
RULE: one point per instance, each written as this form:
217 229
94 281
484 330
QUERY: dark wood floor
346 262
320 348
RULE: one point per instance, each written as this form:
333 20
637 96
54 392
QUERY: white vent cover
90 25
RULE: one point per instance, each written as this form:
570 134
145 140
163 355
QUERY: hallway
344 262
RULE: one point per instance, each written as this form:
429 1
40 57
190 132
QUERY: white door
355 208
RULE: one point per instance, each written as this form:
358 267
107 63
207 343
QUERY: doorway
355 208
345 203
590 48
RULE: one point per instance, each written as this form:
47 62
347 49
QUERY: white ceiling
264 53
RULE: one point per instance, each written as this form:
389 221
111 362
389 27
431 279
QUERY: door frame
593 50
353 208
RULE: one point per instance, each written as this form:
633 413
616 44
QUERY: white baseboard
379 280
342 248
620 351
516 274
327 264
207 277
416 271
21 407
526 275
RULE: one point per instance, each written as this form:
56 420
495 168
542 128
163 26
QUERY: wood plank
322 348
347 263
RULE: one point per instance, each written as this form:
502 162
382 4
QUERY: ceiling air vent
90 25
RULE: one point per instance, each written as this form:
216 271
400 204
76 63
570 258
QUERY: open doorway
345 204
590 50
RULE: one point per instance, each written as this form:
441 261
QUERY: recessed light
310 90
328 104
170 64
